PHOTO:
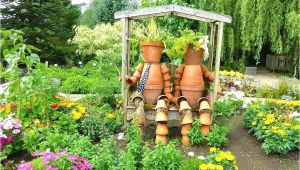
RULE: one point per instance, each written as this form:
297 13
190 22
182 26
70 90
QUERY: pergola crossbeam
187 12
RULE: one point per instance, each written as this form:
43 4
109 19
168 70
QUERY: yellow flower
36 121
26 124
222 155
275 131
203 167
254 123
219 167
213 149
282 132
275 127
260 114
7 109
286 124
111 116
230 157
264 127
235 167
76 115
218 159
54 126
267 131
81 109
211 166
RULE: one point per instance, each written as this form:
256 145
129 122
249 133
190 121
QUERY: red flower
9 139
54 106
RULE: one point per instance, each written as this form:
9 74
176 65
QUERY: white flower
201 157
48 150
191 153
16 131
120 136
8 125
80 62
55 65
94 64
294 114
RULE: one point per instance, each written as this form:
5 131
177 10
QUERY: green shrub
218 136
162 157
195 135
271 92
226 108
134 142
126 161
191 164
93 127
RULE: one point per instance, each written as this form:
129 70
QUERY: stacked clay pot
205 116
161 122
186 122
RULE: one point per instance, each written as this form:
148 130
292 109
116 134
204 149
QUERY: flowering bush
219 160
236 81
75 109
274 123
9 132
53 161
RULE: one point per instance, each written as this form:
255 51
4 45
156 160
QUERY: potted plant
151 42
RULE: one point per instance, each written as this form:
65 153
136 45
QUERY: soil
248 152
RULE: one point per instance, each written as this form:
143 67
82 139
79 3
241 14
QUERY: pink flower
51 168
25 166
9 139
16 131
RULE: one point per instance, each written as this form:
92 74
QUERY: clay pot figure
162 129
162 139
192 84
152 51
185 140
185 129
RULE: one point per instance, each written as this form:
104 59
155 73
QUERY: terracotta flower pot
162 129
164 69
161 116
192 56
185 140
167 83
161 138
185 129
187 119
205 129
184 106
154 84
205 118
161 104
152 51
204 105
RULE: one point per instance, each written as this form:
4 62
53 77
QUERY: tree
47 24
102 11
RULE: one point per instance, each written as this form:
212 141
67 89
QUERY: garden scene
149 85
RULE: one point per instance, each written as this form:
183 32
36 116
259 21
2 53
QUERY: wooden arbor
191 13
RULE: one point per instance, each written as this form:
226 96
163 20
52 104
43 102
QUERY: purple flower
16 131
51 168
25 166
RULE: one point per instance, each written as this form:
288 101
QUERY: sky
84 2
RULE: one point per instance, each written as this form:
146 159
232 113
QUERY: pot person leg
138 101
205 113
186 120
162 120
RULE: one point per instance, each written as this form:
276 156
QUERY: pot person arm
207 74
177 76
167 82
136 76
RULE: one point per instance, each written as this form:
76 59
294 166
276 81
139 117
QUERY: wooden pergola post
125 62
212 44
217 62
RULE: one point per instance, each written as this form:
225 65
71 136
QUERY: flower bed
273 123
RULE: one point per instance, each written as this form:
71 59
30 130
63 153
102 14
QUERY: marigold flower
211 166
218 159
254 123
111 116
77 115
36 121
213 149
260 114
203 167
219 167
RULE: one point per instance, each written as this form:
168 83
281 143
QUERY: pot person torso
192 84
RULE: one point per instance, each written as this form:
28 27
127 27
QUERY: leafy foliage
42 27
195 135
161 158
218 136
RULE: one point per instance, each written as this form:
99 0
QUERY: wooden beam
212 44
145 12
218 56
191 13
201 14
125 44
